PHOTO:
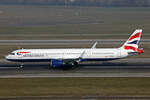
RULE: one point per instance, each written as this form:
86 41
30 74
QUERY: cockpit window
12 53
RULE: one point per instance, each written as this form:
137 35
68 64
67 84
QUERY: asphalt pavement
131 67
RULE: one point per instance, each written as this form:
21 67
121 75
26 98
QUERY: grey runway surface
84 41
139 67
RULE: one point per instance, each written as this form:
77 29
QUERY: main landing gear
21 65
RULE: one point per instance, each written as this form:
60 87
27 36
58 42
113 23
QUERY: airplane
65 58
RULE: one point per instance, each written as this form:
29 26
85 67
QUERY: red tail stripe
137 35
130 47
134 49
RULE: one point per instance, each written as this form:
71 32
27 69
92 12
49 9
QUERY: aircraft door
118 53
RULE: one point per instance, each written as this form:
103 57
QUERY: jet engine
65 64
56 63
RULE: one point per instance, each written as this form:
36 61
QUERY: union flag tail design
131 45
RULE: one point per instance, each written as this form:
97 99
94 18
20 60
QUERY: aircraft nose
7 57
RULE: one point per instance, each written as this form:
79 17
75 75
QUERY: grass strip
75 87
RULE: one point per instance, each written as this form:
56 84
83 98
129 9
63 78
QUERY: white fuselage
24 55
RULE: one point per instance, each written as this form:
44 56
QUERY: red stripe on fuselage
23 52
137 35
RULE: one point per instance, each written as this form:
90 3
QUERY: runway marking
106 74
66 42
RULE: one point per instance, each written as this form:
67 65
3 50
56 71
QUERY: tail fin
131 45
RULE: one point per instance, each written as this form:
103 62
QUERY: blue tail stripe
133 42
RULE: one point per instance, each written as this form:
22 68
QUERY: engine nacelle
56 63
63 64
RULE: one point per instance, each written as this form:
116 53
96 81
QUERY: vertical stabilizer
131 44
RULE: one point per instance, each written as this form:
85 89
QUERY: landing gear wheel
70 65
76 64
21 65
